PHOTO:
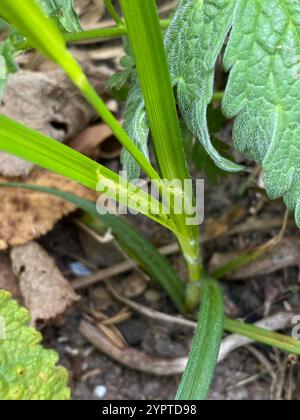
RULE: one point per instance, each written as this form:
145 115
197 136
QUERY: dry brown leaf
285 254
46 293
114 335
218 227
90 11
8 280
97 141
47 102
27 215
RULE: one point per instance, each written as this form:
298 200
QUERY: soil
240 377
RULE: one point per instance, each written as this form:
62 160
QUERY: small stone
79 269
152 295
100 391
132 286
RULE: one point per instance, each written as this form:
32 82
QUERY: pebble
152 295
100 391
79 269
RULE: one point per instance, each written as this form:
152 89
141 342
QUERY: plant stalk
110 32
113 13
262 335
147 45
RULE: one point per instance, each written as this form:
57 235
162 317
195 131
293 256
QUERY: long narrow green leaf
147 45
29 19
139 248
54 156
261 335
202 361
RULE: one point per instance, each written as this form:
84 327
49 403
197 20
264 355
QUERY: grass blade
139 248
264 336
28 18
147 46
203 358
54 156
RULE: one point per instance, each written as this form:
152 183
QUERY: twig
245 382
273 323
87 281
151 313
170 249
242 260
130 357
263 360
143 362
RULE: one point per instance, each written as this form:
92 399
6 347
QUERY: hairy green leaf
3 25
263 58
27 17
198 374
193 41
27 370
137 128
192 45
195 152
136 123
263 91
63 13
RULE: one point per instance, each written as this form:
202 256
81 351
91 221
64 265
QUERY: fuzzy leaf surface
263 92
27 370
63 12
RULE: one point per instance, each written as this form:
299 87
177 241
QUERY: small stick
87 281
143 362
130 357
151 313
170 249
167 367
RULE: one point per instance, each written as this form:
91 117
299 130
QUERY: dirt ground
255 372
242 376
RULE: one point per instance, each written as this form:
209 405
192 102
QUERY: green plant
27 370
260 91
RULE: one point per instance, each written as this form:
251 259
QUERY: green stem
92 96
218 96
148 49
93 34
112 11
239 262
202 361
263 336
